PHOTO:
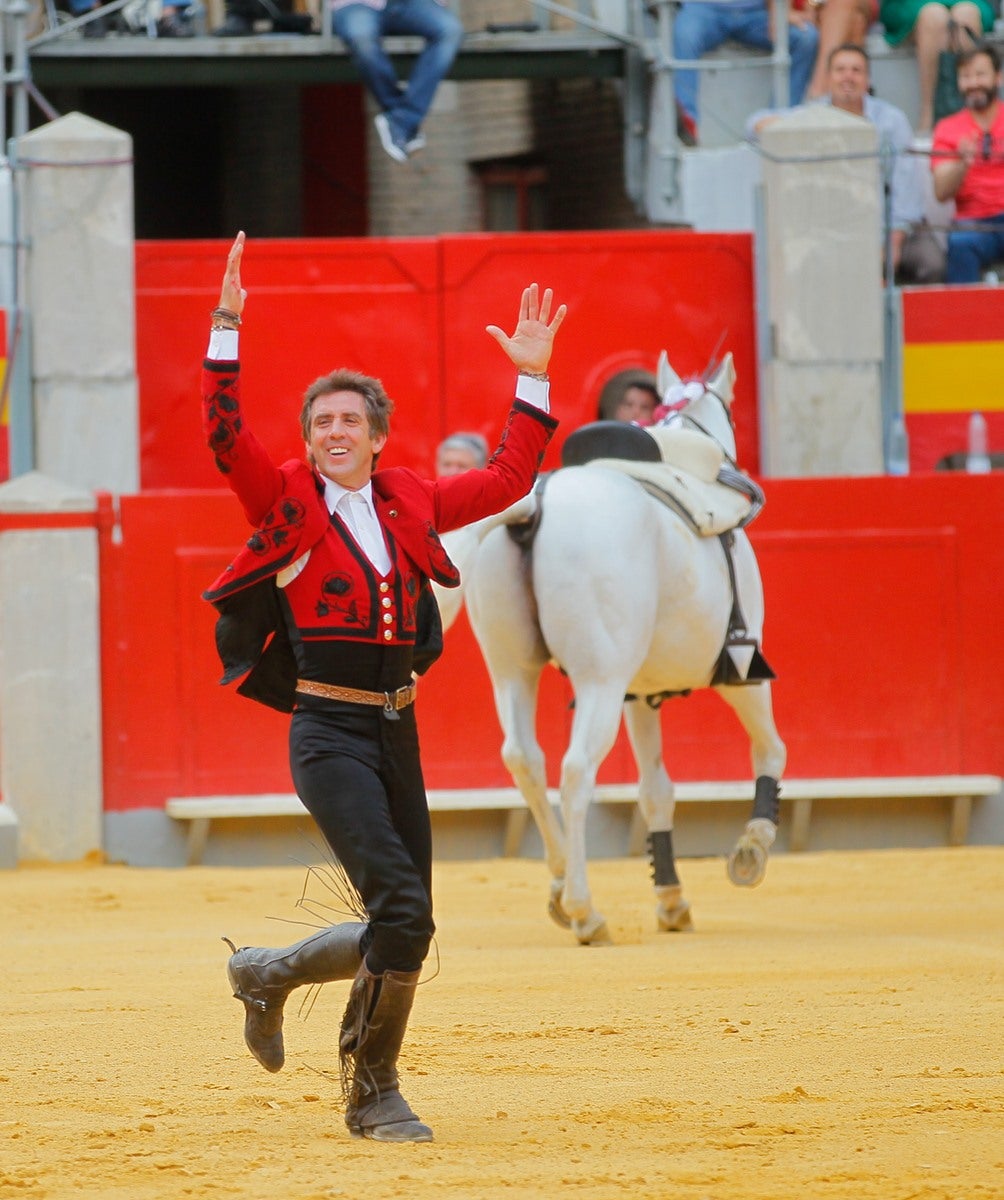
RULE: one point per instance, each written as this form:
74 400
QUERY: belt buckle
390 705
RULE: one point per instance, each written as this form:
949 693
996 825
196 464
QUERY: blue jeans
699 28
361 28
971 251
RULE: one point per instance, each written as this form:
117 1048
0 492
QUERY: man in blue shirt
849 80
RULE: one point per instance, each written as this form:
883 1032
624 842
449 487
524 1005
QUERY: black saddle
609 439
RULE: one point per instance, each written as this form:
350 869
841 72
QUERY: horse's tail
523 532
462 546
523 526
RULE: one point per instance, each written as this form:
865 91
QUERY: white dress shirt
356 510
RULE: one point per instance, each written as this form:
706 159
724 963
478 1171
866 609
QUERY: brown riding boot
262 978
372 1032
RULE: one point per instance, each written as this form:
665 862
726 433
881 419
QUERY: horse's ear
724 382
665 376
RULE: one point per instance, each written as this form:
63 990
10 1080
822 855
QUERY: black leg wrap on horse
660 847
765 798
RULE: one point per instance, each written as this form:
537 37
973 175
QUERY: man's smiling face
340 444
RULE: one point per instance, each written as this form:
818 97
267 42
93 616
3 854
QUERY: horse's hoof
676 919
592 932
555 909
747 864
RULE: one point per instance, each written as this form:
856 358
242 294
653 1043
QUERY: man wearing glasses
967 158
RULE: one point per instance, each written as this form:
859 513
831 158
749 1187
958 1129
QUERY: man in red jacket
327 612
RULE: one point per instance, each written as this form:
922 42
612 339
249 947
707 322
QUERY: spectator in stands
840 23
630 396
361 24
967 158
174 21
925 22
701 26
848 88
460 452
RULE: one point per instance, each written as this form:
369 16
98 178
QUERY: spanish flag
4 401
953 350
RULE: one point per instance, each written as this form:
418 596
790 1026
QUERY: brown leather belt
390 702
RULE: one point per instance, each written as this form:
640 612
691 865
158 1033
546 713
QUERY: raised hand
531 343
232 295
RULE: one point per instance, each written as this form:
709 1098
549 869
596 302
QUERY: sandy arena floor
835 1033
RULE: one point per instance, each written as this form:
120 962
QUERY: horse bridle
680 410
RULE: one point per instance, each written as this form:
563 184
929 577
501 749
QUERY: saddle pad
712 508
691 451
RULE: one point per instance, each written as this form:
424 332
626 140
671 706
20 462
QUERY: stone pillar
821 403
76 202
50 685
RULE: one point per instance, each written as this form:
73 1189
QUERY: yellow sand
835 1033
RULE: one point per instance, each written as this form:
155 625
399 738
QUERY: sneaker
234 26
417 143
686 126
392 140
175 25
96 28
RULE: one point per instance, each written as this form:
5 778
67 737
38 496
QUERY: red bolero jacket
286 505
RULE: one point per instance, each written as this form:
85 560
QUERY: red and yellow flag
4 401
953 350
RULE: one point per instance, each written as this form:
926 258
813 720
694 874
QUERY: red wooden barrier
883 622
414 312
883 594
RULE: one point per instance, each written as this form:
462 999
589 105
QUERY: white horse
621 593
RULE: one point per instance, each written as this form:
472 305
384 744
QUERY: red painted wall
414 312
883 623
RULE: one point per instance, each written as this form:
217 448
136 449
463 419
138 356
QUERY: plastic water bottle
977 458
899 449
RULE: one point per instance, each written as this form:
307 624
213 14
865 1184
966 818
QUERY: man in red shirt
967 158
321 613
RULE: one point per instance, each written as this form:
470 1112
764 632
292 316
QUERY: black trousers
360 777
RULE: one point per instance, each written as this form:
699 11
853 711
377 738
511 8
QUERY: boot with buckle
262 978
373 1030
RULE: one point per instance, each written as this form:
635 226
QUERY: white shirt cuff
533 391
223 345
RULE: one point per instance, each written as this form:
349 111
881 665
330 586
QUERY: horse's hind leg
504 619
594 731
657 803
747 863
516 702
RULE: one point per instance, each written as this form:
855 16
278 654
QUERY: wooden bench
958 790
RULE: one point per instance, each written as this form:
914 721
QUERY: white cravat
358 513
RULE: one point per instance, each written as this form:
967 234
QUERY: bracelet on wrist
227 314
219 326
543 376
